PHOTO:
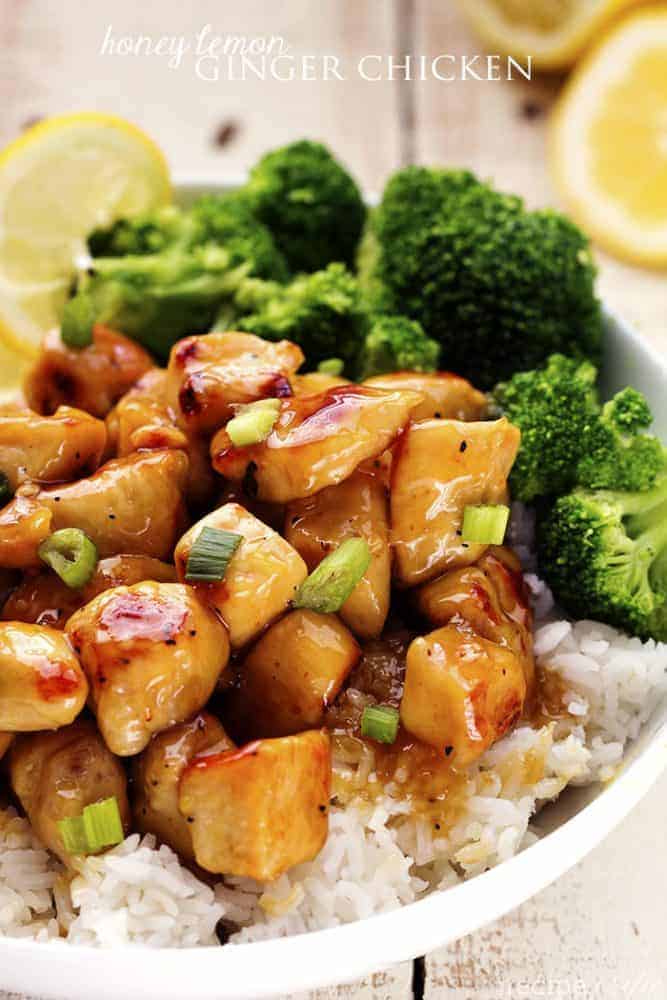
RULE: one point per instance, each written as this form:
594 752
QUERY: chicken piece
24 524
461 692
45 600
54 449
317 441
209 375
259 810
261 578
91 378
42 685
292 674
153 654
440 467
446 396
141 420
5 743
317 525
56 775
314 382
132 504
157 773
491 597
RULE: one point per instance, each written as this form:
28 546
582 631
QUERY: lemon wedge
609 140
552 32
58 181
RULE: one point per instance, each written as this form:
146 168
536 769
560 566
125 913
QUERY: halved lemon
609 140
58 181
552 32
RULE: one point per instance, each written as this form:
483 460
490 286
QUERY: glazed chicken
132 504
42 685
91 378
232 604
292 674
153 655
55 775
441 467
461 692
317 441
261 579
142 420
318 524
157 774
491 597
45 599
209 376
311 383
259 810
446 396
57 449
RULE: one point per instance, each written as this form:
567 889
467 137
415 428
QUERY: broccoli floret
567 440
396 343
309 202
619 455
223 220
499 287
322 312
143 234
227 221
604 553
169 274
156 298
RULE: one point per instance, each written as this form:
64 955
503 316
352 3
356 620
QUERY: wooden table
597 933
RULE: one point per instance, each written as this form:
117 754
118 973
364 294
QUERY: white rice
378 856
139 893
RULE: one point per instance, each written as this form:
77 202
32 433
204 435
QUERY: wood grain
596 934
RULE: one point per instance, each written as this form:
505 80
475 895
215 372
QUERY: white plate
578 821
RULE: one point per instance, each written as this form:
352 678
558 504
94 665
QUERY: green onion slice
210 554
332 366
331 583
380 723
99 826
71 554
5 489
485 524
253 423
76 328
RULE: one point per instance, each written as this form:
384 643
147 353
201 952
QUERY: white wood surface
598 933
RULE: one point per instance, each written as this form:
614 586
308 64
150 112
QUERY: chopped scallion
253 423
99 826
380 723
210 554
71 554
485 524
331 366
331 583
76 328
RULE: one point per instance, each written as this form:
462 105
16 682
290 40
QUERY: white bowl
578 821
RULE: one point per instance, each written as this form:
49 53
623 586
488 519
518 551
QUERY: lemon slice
57 182
552 32
609 140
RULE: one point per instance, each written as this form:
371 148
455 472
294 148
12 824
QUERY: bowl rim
293 964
